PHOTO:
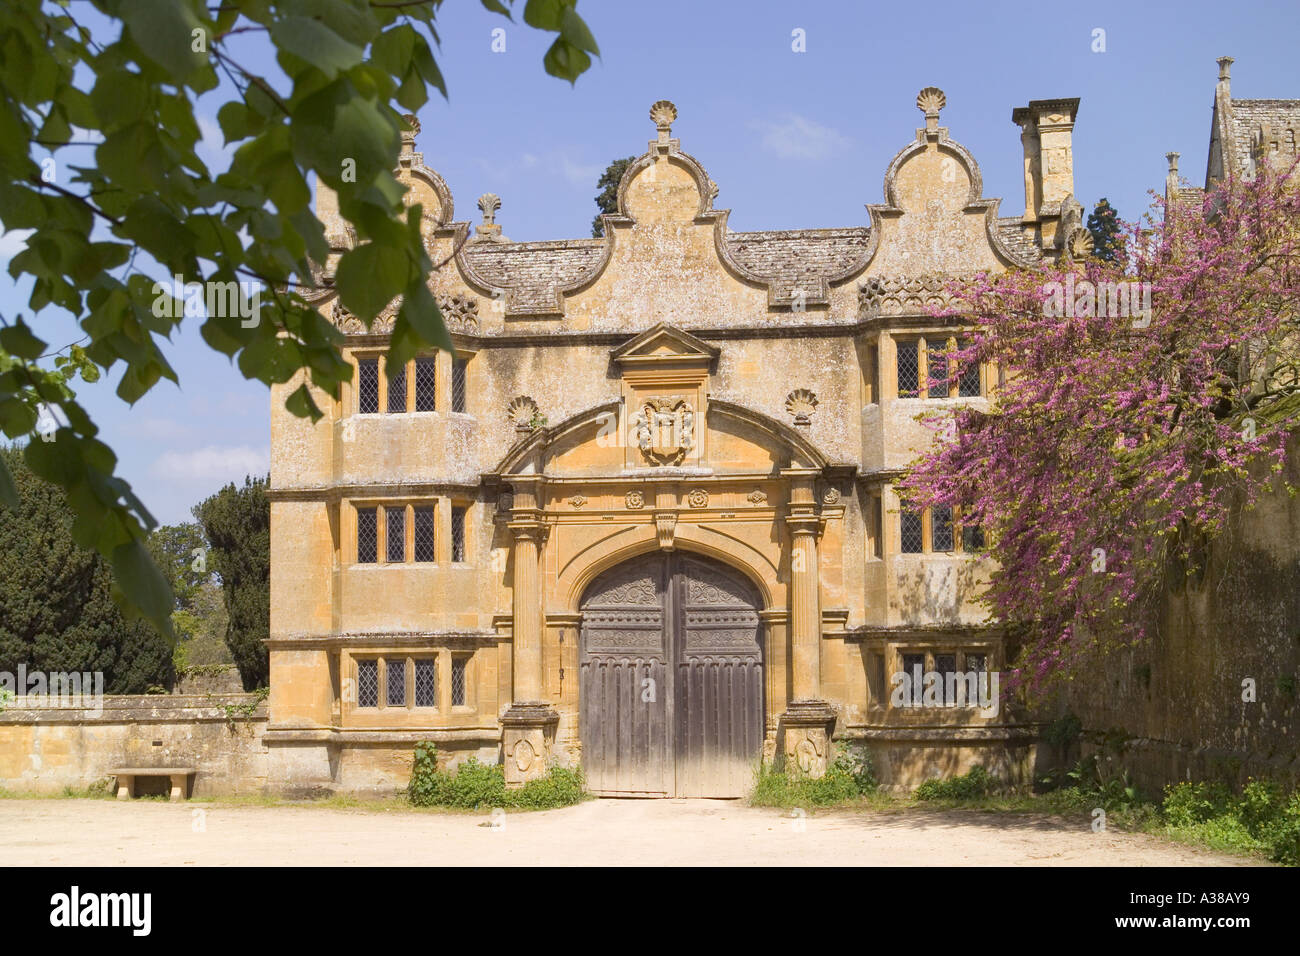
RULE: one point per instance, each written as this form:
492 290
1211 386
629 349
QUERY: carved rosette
634 500
698 498
831 496
578 501
757 497
664 428
801 403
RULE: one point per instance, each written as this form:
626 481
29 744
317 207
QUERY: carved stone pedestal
528 733
806 729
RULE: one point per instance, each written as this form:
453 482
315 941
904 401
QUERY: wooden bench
179 777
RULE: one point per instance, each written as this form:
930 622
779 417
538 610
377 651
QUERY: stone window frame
924 345
379 356
889 659
381 507
382 658
927 534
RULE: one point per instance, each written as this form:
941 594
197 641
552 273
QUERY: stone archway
671 679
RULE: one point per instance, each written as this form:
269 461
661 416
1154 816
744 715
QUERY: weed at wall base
474 786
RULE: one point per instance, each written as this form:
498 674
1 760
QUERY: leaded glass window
909 370
395 695
397 392
914 668
426 682
457 534
426 384
458 384
367 536
368 386
424 534
941 536
458 681
972 538
910 534
945 664
367 683
968 384
938 370
396 534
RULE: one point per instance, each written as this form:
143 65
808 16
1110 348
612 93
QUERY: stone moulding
904 295
460 312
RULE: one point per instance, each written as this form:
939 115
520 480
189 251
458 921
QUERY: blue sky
794 140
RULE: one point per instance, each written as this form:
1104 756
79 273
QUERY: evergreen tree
1105 229
607 198
237 524
56 599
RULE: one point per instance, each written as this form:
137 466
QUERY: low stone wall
45 749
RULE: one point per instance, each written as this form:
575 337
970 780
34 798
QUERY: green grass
1263 822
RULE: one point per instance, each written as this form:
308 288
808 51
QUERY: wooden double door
671 679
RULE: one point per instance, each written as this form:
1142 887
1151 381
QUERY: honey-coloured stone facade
671 386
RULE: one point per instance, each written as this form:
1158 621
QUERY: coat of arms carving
665 429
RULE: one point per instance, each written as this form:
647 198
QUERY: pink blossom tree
1138 402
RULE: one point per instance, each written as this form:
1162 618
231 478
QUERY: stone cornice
456 638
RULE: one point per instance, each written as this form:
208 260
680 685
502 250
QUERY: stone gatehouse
644 517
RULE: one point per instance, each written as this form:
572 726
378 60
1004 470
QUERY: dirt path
604 832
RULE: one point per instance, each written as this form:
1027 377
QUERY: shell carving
801 403
523 411
931 100
662 114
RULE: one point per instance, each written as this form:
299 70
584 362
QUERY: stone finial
408 135
1225 69
662 115
488 230
930 101
1173 162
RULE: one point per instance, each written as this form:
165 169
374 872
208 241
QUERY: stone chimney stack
1046 128
1171 178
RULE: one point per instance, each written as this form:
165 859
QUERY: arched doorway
671 679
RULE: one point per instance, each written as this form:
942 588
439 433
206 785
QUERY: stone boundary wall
45 749
1172 708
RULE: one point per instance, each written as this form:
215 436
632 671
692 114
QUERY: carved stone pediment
664 344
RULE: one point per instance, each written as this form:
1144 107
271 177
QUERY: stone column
528 726
808 721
